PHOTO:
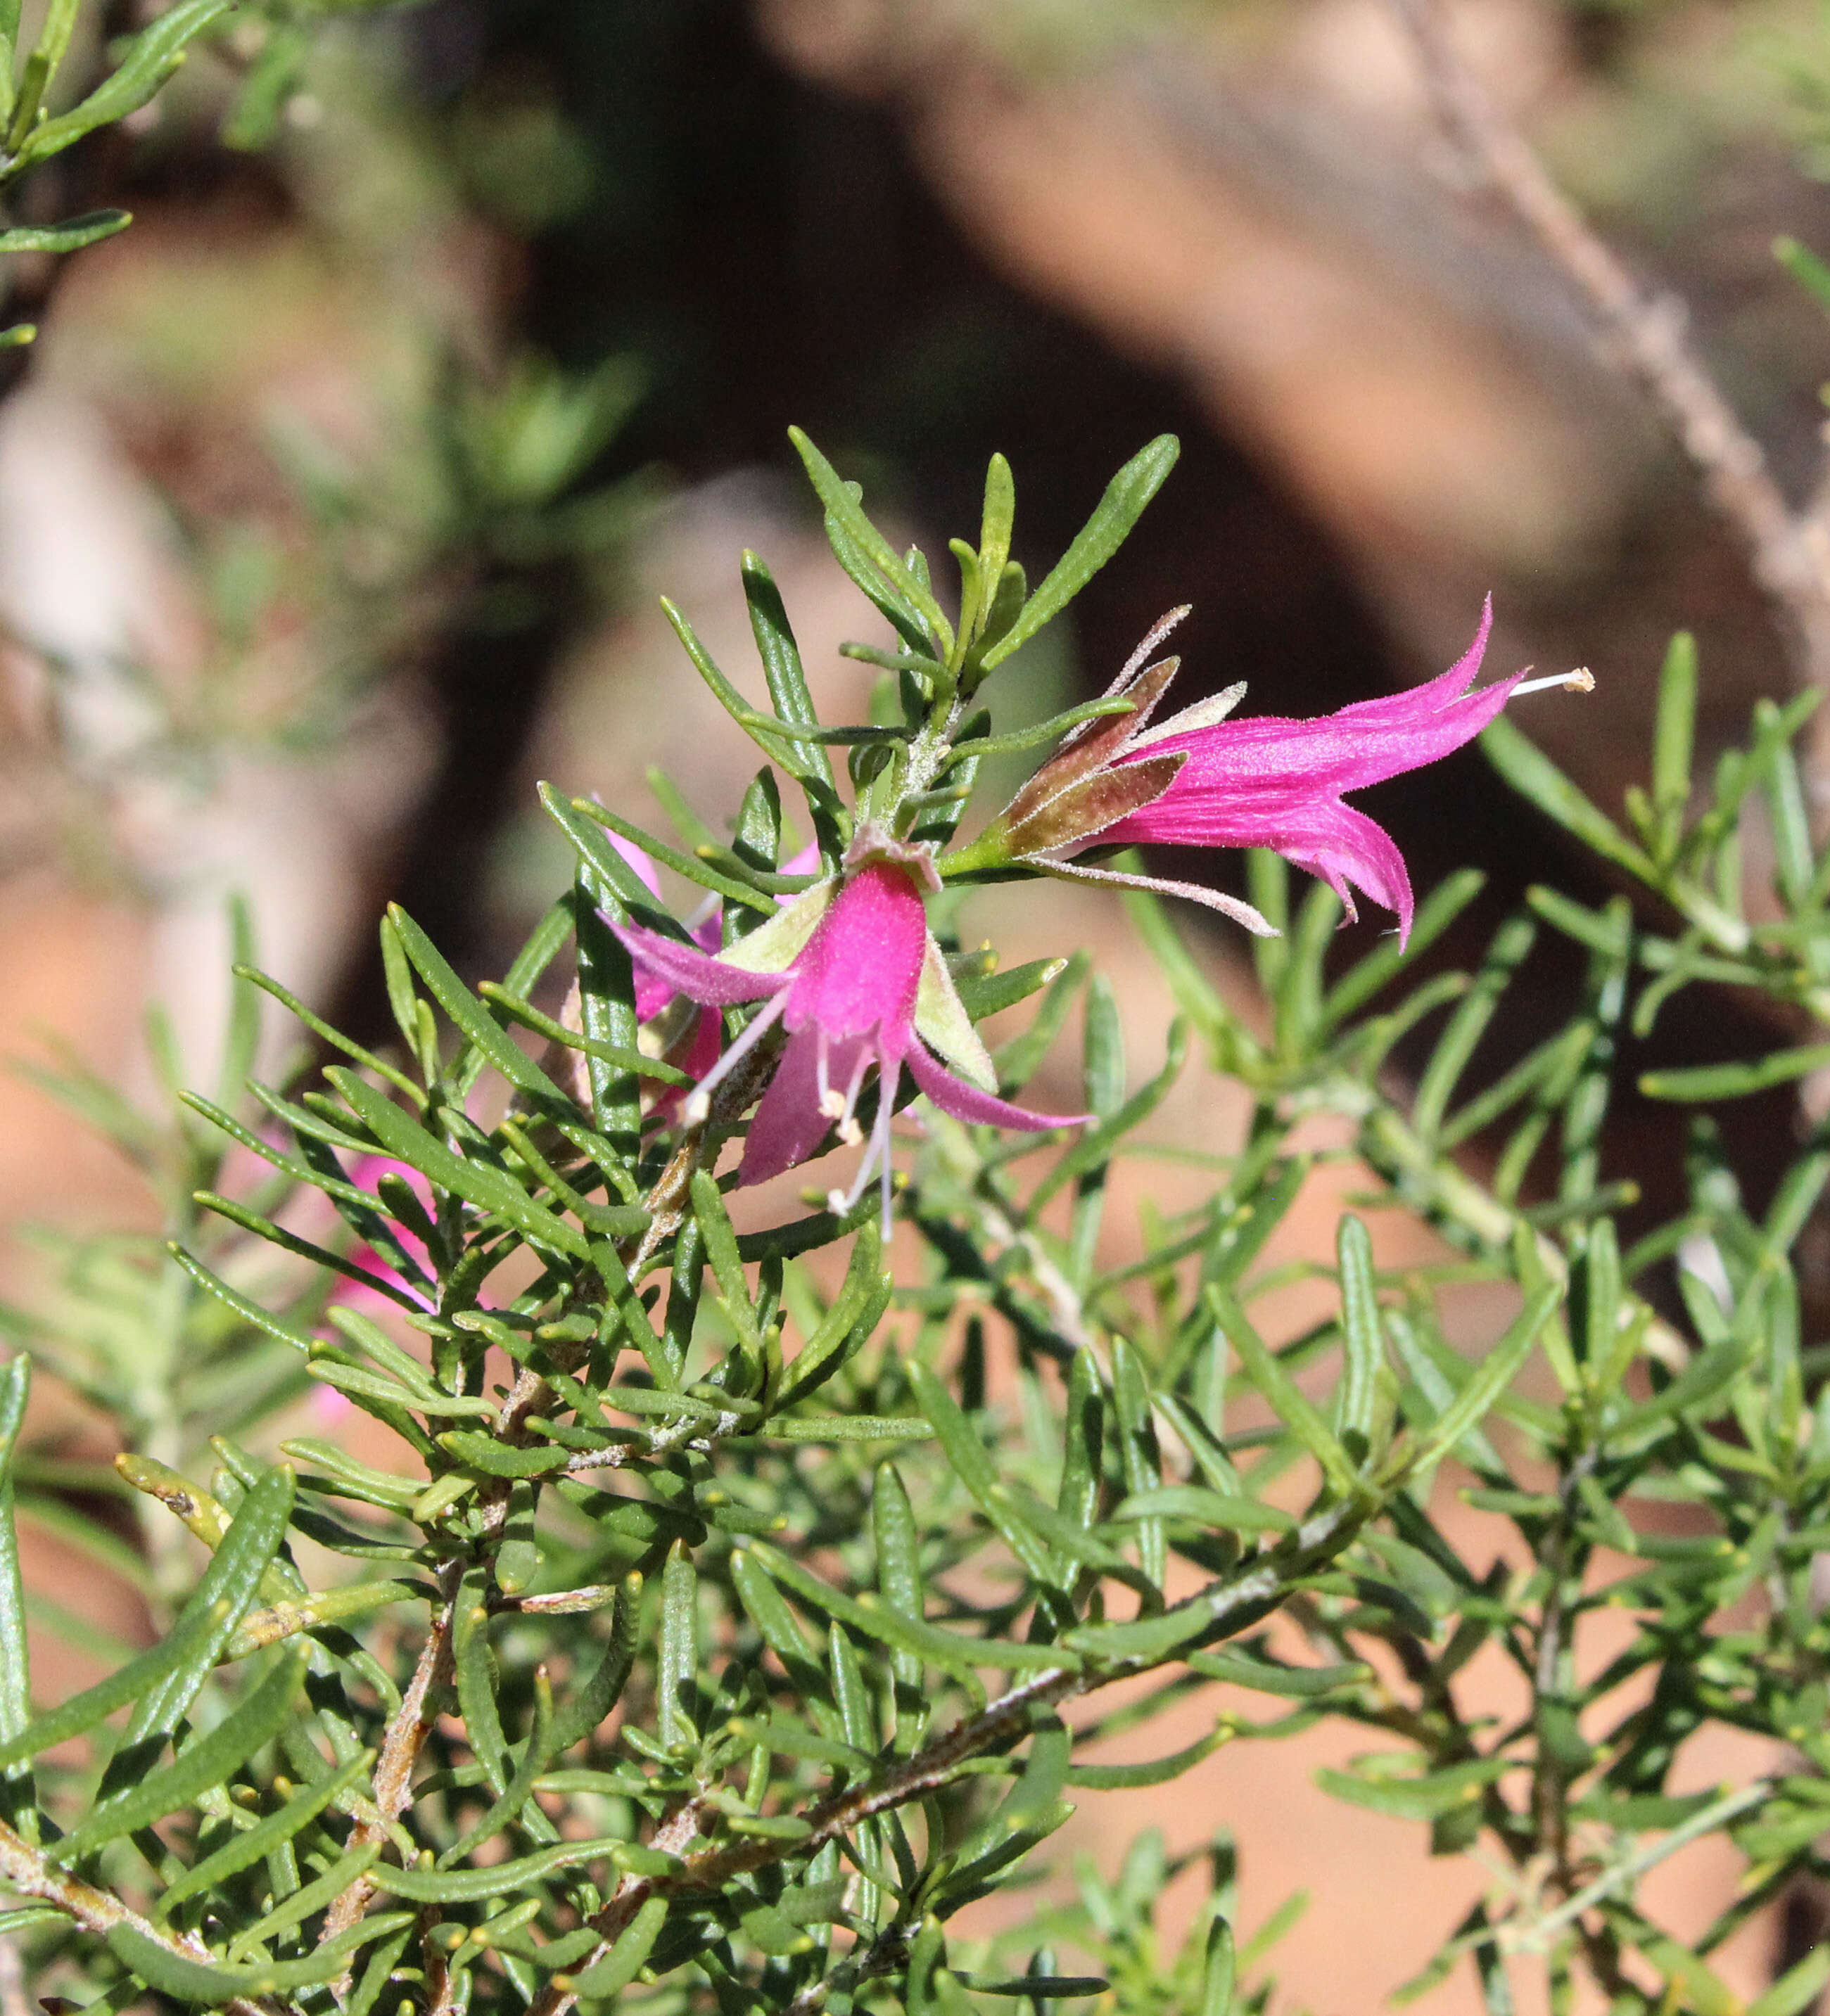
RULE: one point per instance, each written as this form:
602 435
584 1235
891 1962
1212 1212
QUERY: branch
400 1748
1645 335
1238 1596
24 1869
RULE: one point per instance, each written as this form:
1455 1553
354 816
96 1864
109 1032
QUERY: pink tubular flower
1199 779
694 1049
853 976
367 1173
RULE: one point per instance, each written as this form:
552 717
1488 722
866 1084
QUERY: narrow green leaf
500 1879
586 1710
1796 1989
474 1665
211 1986
1363 1340
1291 1405
947 1648
70 237
311 1613
972 1465
846 1428
626 1959
165 1679
1534 776
896 574
781 666
1511 946
1158 1771
1098 540
1674 734
1812 275
265 1837
995 525
292 1910
676 1677
1426 1797
149 59
1224 1512
489 1189
1380 966
335 1038
898 1542
16 1689
536 1754
1736 1081
207 1760
847 1326
1496 1373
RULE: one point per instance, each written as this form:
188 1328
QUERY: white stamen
1581 680
831 1105
877 1156
850 1133
699 1105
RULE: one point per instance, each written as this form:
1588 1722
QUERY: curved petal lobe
965 1101
695 974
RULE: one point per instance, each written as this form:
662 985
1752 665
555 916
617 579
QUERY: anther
1581 680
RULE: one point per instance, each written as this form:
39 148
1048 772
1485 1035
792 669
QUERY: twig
400 1746
1004 1719
1646 335
22 1868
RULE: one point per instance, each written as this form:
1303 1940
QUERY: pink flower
852 974
695 1051
367 1173
1199 779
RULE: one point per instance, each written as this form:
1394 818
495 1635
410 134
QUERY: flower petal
1345 751
1344 846
1414 702
695 974
965 1101
790 1126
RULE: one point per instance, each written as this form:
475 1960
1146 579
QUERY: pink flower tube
851 973
1200 780
1275 782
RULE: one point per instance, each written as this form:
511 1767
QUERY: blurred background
336 497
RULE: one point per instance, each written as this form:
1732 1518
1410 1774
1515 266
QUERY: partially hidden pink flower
694 1050
1200 780
852 972
367 1173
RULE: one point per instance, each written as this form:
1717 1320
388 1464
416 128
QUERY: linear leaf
165 1679
70 237
612 1975
866 1614
264 1838
15 1690
1286 1399
1093 545
206 1760
489 1189
896 574
207 1983
500 1879
1495 1374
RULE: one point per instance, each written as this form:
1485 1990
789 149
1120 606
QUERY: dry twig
1646 334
